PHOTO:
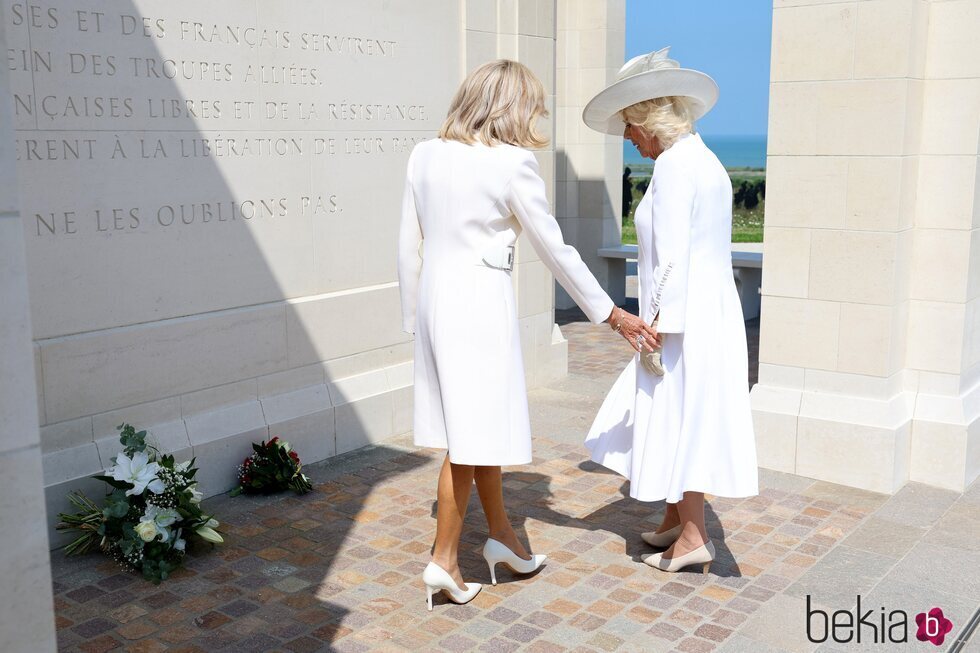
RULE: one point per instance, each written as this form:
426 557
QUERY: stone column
591 46
869 347
524 30
26 606
944 288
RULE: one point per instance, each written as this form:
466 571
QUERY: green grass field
746 223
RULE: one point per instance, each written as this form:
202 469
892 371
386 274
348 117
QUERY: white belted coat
463 203
691 429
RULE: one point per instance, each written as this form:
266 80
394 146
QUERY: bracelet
619 325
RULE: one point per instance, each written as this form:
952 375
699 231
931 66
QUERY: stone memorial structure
202 203
199 207
209 196
869 359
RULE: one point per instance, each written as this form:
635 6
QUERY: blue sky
728 39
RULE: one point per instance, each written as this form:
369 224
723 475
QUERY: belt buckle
510 258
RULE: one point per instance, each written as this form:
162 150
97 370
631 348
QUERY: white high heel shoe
437 579
703 555
664 539
495 551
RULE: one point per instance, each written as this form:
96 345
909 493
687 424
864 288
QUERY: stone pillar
870 335
524 30
591 46
944 287
26 606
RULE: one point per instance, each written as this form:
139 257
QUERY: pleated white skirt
691 429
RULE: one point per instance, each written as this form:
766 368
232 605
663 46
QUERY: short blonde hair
667 118
498 102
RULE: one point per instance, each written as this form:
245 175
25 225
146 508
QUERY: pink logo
933 626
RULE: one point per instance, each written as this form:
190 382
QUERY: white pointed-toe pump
437 580
495 551
703 555
664 539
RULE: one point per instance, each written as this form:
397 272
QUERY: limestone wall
525 30
209 199
591 50
26 606
869 344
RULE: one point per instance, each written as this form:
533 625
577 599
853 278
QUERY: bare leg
455 485
490 486
671 518
693 535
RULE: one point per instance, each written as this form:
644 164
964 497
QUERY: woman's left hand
638 333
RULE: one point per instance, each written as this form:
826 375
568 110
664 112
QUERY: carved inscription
170 90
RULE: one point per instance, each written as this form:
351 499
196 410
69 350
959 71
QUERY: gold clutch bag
651 360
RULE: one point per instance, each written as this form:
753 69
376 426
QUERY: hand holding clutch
651 360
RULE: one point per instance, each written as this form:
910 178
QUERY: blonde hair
667 118
498 102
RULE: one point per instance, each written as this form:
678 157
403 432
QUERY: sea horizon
734 151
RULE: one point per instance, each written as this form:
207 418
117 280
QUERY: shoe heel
493 571
428 590
706 566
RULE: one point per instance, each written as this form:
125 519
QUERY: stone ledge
872 443
320 421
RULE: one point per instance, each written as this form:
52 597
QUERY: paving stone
742 644
917 505
782 625
841 575
695 645
941 568
959 528
93 627
885 536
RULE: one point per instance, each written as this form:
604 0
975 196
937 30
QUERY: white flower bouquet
148 516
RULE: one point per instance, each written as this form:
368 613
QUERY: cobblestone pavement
339 568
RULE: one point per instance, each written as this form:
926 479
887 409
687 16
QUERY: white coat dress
460 202
690 429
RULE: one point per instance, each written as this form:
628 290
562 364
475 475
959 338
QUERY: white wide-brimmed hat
646 77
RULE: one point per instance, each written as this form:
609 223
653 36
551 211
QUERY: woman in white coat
468 195
682 428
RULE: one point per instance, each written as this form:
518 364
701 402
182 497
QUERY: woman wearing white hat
468 195
678 425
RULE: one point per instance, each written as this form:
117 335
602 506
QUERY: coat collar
685 141
689 138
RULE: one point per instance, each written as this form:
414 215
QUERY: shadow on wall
193 258
585 210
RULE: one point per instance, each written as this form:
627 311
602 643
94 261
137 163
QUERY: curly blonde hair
499 102
668 118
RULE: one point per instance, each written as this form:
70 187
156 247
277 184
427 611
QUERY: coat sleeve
672 206
526 198
409 259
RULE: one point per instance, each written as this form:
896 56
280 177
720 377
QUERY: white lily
209 534
195 495
179 542
137 470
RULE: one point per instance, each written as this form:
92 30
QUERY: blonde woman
688 427
468 195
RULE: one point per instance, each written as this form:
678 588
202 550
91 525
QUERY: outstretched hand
640 335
